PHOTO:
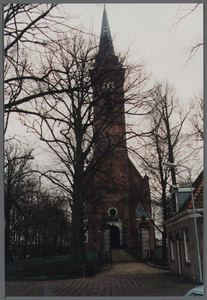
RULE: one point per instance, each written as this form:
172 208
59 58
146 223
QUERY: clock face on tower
107 86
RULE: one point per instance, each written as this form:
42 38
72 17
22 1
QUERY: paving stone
108 283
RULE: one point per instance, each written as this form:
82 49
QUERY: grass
11 278
37 278
89 254
54 267
137 254
158 254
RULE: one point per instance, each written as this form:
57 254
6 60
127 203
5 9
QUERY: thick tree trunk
77 197
82 245
75 236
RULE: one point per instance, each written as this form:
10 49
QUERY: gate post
48 289
106 244
144 238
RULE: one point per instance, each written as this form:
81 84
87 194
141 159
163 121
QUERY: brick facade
123 195
182 237
185 220
117 187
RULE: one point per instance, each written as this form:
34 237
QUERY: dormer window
178 197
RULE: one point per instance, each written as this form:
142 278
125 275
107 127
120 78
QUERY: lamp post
194 215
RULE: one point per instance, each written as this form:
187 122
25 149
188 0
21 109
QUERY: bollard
95 269
48 290
106 259
53 272
83 268
19 273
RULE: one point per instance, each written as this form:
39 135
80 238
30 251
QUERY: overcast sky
148 29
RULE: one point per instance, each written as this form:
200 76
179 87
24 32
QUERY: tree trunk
164 246
7 236
82 245
164 201
77 197
170 145
75 235
25 243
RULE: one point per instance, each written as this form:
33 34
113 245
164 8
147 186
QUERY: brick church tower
120 195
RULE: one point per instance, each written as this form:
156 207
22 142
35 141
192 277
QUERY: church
120 196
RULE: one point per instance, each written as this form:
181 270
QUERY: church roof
106 45
140 211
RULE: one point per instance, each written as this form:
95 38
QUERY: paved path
119 255
131 268
136 279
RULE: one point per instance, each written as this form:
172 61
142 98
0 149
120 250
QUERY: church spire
106 44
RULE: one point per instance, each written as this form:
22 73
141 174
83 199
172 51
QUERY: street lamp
195 224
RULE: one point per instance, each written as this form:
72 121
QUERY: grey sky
147 29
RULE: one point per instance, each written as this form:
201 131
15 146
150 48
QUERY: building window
86 236
186 244
112 212
172 254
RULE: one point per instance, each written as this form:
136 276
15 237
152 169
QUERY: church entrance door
114 236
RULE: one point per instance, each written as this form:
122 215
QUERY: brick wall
189 270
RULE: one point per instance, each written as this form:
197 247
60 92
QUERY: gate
114 236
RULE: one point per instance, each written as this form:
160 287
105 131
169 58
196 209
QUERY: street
125 279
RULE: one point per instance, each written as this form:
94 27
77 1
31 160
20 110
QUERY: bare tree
62 112
181 15
197 117
35 220
70 125
16 172
29 29
45 223
164 143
